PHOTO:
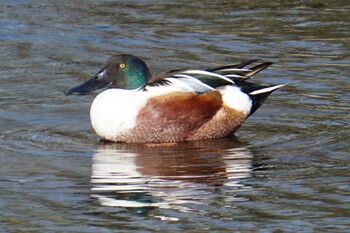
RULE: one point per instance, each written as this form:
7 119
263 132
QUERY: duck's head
119 71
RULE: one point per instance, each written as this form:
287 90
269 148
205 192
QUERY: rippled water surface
286 169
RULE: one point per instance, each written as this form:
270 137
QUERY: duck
174 106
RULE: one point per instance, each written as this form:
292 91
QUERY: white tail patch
234 98
203 72
265 90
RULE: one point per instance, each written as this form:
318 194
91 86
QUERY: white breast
114 111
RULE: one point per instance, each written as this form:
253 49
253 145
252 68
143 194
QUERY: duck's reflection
170 175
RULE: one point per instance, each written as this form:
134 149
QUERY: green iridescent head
123 71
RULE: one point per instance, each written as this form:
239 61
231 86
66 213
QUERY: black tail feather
237 66
258 100
256 69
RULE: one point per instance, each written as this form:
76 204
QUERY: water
286 170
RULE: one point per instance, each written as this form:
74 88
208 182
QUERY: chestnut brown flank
223 124
172 117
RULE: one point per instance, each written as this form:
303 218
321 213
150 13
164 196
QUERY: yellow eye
122 65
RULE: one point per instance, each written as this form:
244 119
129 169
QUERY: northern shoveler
179 105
